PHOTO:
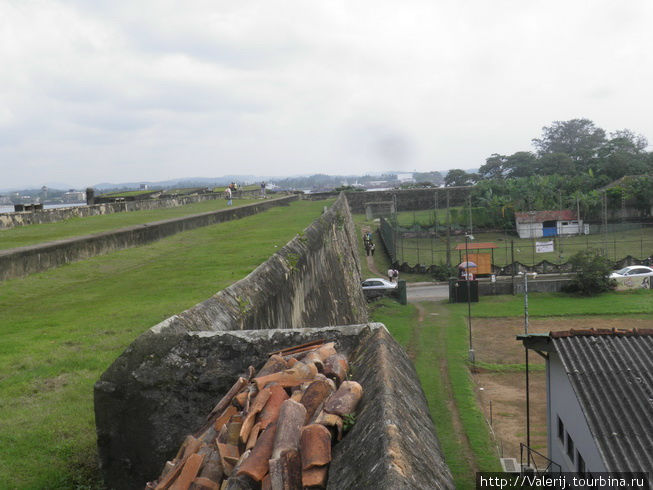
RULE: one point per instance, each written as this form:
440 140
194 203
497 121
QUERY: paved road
421 291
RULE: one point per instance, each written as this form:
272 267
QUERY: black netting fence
421 247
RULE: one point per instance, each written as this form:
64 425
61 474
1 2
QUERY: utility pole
470 214
605 223
528 404
578 214
448 233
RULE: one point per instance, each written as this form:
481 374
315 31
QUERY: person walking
262 189
227 196
372 247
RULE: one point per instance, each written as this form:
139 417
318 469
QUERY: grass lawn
32 234
62 328
438 346
560 304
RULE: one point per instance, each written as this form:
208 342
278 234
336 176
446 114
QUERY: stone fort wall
22 261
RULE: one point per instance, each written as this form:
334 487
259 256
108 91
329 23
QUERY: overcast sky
95 91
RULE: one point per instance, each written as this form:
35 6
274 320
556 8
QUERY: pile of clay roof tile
273 430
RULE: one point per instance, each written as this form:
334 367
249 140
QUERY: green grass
62 328
438 341
32 234
560 304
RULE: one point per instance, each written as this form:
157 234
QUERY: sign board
544 247
633 282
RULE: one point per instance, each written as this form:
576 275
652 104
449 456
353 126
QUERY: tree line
573 163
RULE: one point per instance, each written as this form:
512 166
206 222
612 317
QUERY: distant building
536 224
599 387
407 177
73 196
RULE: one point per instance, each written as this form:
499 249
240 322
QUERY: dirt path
372 266
438 323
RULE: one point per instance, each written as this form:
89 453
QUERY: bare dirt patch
494 342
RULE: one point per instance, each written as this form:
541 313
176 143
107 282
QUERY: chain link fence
420 248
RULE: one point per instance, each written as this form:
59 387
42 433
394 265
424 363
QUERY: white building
537 224
599 385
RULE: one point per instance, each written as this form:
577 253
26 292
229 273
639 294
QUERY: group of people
369 244
393 275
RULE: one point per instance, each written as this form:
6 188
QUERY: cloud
107 91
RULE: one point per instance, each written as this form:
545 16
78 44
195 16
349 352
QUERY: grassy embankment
637 243
438 346
62 328
32 234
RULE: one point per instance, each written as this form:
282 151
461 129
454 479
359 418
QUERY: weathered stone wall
312 281
11 220
409 199
20 262
167 394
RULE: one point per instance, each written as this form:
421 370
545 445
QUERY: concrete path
427 291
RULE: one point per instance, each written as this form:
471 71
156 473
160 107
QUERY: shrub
592 273
443 272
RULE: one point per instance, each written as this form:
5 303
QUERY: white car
375 287
633 271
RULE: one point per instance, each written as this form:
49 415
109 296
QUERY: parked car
376 287
633 271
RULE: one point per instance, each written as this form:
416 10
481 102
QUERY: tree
434 177
555 164
493 168
623 154
458 177
578 138
592 272
521 164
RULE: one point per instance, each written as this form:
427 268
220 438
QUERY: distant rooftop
541 216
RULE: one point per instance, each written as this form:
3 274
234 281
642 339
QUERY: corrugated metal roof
541 216
612 375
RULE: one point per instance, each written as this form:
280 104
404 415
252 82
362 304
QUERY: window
570 447
561 431
580 464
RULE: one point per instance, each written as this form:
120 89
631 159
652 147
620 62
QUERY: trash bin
462 288
401 291
453 290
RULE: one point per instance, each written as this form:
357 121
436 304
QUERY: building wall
529 230
562 402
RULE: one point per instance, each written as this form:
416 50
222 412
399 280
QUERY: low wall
11 220
20 262
312 281
143 419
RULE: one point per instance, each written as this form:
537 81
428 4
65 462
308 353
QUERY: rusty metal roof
541 216
611 372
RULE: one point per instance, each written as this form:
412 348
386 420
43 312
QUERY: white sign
543 247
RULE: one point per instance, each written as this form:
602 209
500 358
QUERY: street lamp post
469 299
528 404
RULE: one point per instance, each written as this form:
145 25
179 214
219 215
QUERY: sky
106 91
